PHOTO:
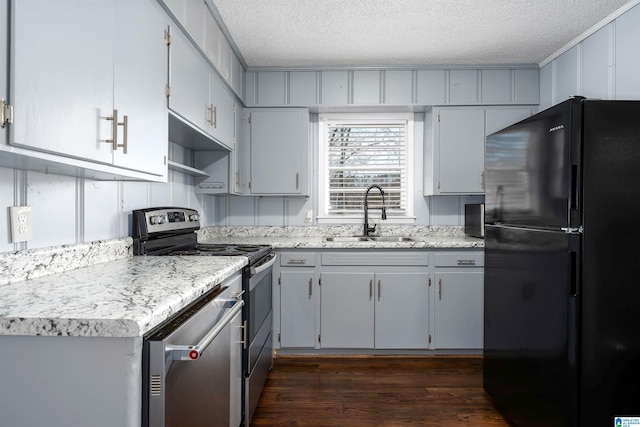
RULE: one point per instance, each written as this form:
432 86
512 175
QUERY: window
359 150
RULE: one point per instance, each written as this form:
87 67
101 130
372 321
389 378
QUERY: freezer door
529 325
532 170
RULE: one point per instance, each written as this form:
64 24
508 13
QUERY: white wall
603 65
67 210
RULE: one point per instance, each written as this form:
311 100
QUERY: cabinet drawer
296 259
460 259
377 258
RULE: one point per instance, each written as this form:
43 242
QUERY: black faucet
368 229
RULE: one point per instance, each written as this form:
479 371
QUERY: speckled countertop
314 237
100 289
125 297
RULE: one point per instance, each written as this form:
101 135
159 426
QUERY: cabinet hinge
167 37
429 338
279 338
167 91
6 113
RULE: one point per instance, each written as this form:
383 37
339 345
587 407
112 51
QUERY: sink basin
346 239
391 239
368 239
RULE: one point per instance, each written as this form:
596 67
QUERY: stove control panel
164 220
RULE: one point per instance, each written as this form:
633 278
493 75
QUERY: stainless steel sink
346 239
391 239
368 239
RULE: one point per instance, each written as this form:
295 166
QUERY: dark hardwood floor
376 391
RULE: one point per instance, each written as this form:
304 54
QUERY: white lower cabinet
402 313
381 310
376 299
347 310
298 316
459 300
295 300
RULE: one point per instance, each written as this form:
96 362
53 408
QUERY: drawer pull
296 262
466 262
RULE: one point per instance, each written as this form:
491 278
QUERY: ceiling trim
399 67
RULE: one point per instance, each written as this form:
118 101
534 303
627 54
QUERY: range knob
157 219
194 217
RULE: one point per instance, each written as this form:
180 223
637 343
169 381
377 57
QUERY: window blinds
362 154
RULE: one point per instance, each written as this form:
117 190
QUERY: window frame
323 167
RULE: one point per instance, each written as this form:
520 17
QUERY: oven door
259 297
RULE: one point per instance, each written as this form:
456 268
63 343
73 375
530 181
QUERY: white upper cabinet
140 55
88 82
454 152
454 163
222 106
189 82
4 88
279 151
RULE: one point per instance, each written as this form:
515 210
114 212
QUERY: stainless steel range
171 231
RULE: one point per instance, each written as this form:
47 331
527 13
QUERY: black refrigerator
562 266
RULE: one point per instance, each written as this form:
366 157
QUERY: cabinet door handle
370 289
310 287
379 290
440 289
297 180
125 137
114 130
213 115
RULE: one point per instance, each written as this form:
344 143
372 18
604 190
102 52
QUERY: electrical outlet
21 224
308 215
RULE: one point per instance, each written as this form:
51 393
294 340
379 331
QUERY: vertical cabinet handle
440 289
379 290
125 136
114 130
370 289
213 115
297 180
310 287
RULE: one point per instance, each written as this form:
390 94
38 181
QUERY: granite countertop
314 237
126 297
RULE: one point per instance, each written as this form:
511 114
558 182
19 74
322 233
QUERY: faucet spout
368 230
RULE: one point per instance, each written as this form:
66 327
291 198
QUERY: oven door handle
193 352
264 266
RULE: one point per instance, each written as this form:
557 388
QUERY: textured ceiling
307 33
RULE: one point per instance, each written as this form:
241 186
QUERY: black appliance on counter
561 327
474 219
171 231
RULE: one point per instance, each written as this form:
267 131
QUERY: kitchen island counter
121 298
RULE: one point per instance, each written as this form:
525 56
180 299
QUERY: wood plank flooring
376 391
